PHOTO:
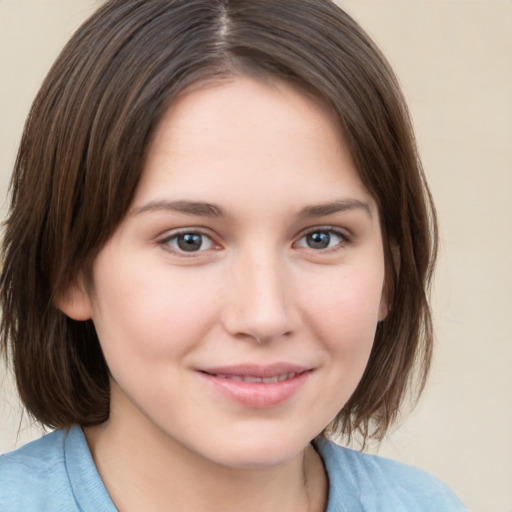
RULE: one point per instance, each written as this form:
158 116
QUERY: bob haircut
83 151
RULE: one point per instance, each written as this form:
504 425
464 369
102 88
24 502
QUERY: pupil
190 242
318 240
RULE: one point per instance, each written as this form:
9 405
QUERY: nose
260 304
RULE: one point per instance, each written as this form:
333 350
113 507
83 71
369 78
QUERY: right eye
188 242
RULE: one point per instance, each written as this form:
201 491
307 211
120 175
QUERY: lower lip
257 395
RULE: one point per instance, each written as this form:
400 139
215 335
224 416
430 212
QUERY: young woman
217 255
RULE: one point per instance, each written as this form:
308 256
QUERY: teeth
252 379
248 378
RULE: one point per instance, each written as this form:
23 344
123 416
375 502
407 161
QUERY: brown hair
83 152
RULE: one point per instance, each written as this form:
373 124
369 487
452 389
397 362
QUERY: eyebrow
198 208
332 207
203 209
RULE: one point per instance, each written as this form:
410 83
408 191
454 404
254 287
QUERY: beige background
454 59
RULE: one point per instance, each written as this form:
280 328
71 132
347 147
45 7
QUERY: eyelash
174 237
344 238
167 242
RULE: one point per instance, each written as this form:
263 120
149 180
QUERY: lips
254 378
257 386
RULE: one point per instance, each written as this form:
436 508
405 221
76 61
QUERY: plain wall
454 60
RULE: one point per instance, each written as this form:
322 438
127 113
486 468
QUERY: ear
74 302
383 308
387 289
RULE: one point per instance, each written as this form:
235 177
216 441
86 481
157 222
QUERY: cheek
150 313
344 313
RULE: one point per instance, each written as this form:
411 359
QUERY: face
236 304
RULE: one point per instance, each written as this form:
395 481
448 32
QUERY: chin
260 452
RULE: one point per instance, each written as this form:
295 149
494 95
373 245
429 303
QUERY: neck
157 473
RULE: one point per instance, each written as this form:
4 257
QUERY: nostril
259 306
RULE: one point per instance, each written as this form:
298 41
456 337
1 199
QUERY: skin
260 290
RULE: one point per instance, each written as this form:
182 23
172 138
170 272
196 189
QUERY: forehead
215 111
271 133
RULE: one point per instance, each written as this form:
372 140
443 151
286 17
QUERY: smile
255 379
257 387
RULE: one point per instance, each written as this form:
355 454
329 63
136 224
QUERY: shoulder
34 477
376 483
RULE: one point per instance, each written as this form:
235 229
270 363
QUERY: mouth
257 386
253 379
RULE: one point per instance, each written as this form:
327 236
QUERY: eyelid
344 234
164 240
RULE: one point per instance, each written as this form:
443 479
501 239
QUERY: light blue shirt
57 474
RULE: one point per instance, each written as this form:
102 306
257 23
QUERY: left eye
321 239
189 242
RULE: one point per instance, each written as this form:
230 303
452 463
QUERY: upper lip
253 370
